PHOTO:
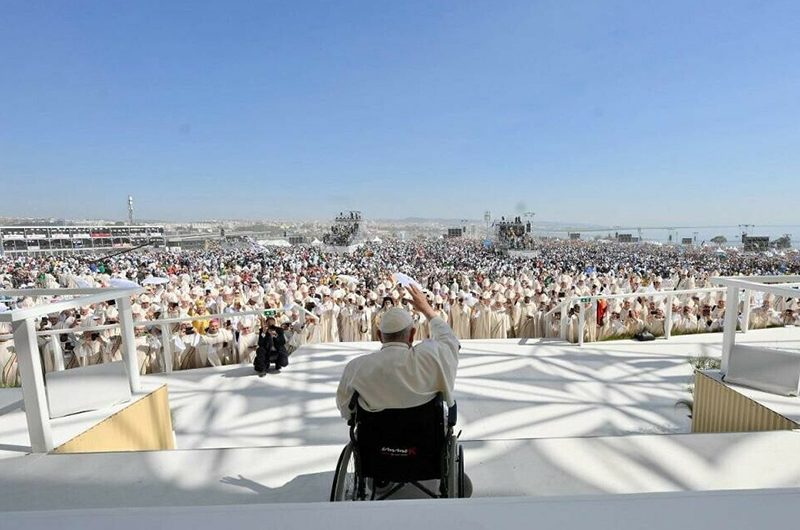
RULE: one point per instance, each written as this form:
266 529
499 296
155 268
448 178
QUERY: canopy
154 280
274 243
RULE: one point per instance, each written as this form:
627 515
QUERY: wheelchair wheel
345 481
452 478
460 470
347 485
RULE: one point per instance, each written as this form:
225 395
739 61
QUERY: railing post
129 356
748 299
581 323
29 362
729 333
58 354
235 347
166 348
668 318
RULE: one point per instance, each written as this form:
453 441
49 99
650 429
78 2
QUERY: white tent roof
274 243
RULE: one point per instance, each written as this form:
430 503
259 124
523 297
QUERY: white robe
247 346
460 320
216 349
501 323
397 376
481 321
362 326
345 323
329 326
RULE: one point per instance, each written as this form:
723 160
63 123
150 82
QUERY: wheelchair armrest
452 415
352 406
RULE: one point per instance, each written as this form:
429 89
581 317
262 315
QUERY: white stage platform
732 510
14 440
508 468
538 418
506 389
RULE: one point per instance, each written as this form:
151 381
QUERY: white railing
746 286
786 286
590 303
29 361
163 325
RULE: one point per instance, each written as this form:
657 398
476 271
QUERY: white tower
130 210
487 217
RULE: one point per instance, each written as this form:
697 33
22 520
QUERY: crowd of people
316 296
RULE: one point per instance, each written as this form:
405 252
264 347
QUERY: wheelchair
397 447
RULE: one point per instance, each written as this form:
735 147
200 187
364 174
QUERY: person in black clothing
271 348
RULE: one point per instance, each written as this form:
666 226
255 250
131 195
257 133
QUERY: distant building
89 238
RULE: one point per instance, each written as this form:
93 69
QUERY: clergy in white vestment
482 318
328 313
460 318
402 374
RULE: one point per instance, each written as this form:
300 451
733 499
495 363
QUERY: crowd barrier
163 325
588 306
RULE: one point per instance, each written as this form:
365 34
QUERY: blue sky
643 112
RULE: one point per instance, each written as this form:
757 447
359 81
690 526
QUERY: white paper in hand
405 280
120 283
81 283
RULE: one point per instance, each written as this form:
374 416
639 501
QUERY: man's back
399 376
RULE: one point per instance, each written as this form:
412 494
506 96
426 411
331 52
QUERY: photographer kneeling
271 348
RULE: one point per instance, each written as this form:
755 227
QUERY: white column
166 348
581 323
668 318
58 353
33 391
129 356
748 299
729 333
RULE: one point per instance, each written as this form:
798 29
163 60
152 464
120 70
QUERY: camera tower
130 210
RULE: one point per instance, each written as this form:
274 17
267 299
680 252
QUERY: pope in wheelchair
398 402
